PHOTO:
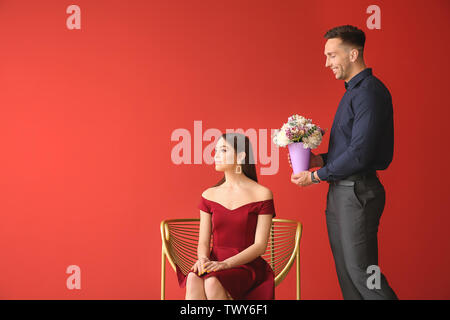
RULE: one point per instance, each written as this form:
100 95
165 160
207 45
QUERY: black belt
350 180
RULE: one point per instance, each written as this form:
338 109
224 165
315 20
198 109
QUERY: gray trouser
353 214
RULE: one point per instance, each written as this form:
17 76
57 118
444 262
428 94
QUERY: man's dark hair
349 35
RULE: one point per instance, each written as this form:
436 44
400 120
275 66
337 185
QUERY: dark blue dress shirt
362 135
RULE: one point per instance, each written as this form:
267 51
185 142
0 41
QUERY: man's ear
354 54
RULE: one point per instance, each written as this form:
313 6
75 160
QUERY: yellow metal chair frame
180 238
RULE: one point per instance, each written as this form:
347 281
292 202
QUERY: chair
180 238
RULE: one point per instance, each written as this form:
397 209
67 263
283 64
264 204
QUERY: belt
350 180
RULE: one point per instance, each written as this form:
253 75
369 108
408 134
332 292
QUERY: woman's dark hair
349 35
241 143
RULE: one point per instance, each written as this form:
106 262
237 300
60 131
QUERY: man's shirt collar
357 78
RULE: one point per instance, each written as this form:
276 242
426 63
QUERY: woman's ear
241 157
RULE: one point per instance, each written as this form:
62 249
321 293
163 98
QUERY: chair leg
298 273
163 274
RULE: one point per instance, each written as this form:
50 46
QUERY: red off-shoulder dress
233 231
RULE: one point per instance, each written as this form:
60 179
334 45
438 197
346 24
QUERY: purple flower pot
299 157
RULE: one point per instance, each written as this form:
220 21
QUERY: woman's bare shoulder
209 193
262 192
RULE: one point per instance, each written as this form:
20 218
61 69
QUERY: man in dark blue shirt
362 135
361 142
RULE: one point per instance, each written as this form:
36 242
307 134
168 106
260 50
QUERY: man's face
338 58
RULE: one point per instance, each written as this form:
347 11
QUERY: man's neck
355 72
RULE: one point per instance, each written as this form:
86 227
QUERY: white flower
302 121
280 138
297 120
313 141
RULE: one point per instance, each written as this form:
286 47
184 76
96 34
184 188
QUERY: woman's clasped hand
204 265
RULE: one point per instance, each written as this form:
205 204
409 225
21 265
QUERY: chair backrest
180 239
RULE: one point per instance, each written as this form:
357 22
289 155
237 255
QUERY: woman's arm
204 239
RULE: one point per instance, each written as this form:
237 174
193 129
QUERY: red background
87 115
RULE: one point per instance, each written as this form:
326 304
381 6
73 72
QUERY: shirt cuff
323 173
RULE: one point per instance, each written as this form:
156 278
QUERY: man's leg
359 213
349 291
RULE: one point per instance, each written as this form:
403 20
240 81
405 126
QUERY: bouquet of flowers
300 135
299 129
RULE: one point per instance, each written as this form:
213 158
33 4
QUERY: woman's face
224 157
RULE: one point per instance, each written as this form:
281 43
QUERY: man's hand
314 161
302 178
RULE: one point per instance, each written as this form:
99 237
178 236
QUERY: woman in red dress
238 212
